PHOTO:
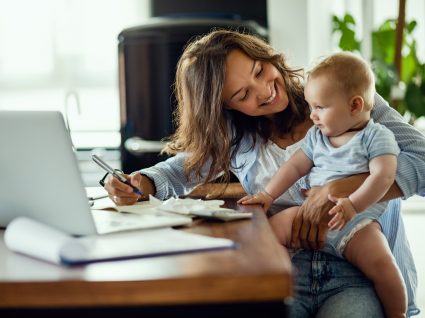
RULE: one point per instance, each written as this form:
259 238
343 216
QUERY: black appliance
148 56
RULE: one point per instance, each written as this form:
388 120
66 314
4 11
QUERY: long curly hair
201 117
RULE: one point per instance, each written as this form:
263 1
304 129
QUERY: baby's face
330 108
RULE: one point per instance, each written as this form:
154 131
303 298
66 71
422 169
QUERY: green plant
412 78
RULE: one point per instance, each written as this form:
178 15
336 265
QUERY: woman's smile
273 97
252 87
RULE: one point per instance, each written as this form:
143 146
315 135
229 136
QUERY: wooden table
256 276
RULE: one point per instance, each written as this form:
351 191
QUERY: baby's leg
368 250
281 224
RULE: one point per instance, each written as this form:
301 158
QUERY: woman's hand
122 194
310 225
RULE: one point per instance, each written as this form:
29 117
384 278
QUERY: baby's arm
382 174
296 167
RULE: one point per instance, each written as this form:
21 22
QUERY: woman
242 109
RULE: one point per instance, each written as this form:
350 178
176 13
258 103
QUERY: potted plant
405 90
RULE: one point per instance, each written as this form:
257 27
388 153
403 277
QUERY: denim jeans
328 286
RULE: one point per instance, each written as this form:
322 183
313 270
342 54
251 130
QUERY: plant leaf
415 99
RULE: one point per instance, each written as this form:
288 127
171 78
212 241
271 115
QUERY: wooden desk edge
275 287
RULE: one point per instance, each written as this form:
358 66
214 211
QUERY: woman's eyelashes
257 75
245 96
259 71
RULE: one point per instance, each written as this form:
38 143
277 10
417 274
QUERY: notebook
29 237
40 179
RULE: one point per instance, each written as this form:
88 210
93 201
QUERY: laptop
40 178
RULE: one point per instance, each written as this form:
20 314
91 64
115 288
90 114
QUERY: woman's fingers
123 200
119 192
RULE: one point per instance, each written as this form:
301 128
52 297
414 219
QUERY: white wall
300 29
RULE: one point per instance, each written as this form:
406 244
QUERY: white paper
174 205
185 206
147 243
110 222
26 236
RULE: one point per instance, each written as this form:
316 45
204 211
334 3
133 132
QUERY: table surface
258 271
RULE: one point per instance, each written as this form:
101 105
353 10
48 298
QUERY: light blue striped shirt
331 163
170 180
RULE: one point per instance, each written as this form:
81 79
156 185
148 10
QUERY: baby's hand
343 212
259 198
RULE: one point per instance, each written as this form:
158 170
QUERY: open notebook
38 240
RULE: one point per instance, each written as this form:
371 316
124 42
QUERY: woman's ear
356 105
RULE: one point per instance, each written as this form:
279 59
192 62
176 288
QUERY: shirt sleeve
309 142
411 160
169 177
381 141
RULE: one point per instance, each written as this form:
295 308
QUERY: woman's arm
233 190
170 179
411 160
163 180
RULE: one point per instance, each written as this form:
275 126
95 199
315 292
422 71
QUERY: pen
116 174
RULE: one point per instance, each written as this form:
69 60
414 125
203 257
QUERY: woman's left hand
310 225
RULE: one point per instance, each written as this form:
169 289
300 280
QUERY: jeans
328 286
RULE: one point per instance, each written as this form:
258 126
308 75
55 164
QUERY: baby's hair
351 73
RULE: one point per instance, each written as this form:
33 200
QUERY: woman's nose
264 90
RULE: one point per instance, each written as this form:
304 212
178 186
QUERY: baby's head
340 91
349 74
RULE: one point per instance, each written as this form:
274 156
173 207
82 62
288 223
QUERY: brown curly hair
201 119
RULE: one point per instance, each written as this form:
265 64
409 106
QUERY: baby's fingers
249 199
335 210
334 221
252 200
339 225
245 198
337 222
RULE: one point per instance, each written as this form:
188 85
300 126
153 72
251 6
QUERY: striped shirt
331 163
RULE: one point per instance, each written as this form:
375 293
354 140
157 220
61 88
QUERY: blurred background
108 65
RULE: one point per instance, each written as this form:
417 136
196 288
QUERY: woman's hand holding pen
123 194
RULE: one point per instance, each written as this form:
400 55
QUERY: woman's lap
328 286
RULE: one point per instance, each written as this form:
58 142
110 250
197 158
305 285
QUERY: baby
345 141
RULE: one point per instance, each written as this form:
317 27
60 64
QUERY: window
58 54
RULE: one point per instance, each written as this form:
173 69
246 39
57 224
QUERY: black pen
116 174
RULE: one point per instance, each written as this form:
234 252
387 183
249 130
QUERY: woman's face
254 88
